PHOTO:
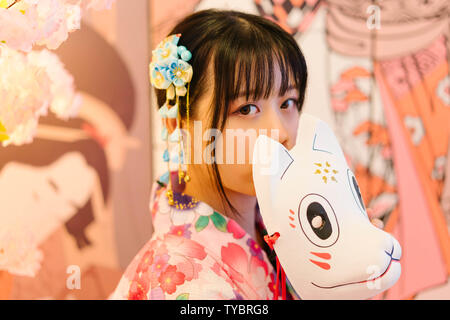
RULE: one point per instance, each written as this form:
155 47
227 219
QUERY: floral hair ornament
170 70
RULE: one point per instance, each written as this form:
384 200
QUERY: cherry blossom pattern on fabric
196 253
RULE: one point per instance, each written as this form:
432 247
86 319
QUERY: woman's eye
289 103
248 109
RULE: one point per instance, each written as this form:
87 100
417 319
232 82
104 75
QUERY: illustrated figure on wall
60 184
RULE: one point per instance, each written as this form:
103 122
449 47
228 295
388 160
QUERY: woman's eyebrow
291 87
251 92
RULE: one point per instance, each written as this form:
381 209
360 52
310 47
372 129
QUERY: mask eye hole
355 191
355 185
318 220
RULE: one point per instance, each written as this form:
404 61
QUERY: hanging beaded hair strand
169 70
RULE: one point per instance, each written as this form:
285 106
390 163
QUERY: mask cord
270 240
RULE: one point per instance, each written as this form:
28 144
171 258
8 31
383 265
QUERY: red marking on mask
293 226
322 265
322 255
292 219
292 212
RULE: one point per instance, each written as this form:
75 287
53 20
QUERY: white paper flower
16 30
29 85
19 254
44 22
65 102
25 92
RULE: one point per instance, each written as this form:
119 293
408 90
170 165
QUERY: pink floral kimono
197 253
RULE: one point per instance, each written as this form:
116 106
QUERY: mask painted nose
395 252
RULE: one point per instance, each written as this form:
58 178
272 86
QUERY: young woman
248 74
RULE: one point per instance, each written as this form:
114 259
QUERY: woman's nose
276 127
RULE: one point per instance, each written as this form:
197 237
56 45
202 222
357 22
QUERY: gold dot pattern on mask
326 171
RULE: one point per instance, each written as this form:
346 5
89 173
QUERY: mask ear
325 141
271 161
270 158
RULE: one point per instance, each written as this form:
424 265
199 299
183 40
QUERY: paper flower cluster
30 84
169 68
25 23
19 253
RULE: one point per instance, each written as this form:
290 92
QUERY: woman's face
277 115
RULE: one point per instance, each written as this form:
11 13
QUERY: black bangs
245 62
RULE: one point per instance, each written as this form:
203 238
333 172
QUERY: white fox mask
327 246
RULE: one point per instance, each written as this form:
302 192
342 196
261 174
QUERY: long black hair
243 49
